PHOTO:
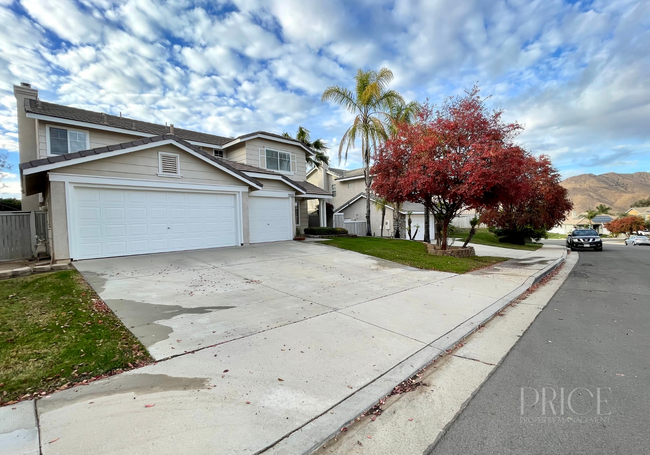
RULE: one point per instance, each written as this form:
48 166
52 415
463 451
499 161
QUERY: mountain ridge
618 191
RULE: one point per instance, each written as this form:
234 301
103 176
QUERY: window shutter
169 164
293 163
263 158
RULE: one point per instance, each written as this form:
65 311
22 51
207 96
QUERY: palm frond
340 96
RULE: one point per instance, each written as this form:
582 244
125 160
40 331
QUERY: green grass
485 237
411 253
552 235
54 332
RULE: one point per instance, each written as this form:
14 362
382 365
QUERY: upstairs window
218 153
62 141
169 165
275 160
333 189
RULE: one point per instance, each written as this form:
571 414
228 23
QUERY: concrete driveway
308 336
181 302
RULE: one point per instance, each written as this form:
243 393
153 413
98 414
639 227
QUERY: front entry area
107 222
269 219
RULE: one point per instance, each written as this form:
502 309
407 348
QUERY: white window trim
178 161
215 151
47 136
292 159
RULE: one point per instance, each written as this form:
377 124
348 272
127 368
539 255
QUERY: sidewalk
288 389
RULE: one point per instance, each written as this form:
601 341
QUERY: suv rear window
582 232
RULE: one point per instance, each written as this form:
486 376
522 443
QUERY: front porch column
322 213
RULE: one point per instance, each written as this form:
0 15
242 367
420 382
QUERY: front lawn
552 235
411 253
485 237
54 332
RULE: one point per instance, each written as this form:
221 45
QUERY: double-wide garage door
118 222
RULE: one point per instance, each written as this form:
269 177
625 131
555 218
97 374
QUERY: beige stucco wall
249 153
143 164
98 138
58 219
357 212
244 215
347 190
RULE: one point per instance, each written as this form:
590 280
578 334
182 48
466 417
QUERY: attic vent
169 164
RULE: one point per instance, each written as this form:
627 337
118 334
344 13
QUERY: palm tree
590 215
381 204
318 147
372 102
402 113
602 209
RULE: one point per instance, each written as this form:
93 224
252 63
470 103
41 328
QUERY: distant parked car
638 240
581 239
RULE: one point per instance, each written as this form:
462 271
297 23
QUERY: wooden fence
20 233
353 227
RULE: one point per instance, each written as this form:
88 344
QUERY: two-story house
348 189
115 186
643 212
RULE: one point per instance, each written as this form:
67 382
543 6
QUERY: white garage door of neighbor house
119 222
269 219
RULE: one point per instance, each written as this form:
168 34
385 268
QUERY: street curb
309 438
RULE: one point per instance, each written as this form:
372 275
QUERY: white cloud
575 74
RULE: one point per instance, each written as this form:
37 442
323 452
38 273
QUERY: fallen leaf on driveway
369 437
149 405
373 418
226 371
619 374
280 379
248 402
54 440
410 420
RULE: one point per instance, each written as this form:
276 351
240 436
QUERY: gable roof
599 219
640 209
356 198
69 159
37 108
348 174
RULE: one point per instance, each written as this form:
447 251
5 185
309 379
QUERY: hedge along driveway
55 332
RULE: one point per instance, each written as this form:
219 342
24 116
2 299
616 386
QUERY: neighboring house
348 188
643 212
579 222
114 186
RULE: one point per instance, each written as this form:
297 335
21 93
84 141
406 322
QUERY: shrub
325 231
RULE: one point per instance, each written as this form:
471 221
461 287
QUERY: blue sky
574 73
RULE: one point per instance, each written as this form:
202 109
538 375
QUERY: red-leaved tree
542 203
626 225
458 157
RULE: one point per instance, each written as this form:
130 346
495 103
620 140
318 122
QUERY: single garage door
269 219
118 222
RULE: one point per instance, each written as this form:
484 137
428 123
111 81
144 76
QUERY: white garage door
269 219
119 222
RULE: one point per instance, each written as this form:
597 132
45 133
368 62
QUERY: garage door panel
117 222
115 230
269 219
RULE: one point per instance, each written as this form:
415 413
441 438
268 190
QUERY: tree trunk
472 231
427 230
368 230
437 225
473 223
383 217
445 230
396 220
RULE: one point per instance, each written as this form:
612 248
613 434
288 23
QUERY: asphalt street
578 381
